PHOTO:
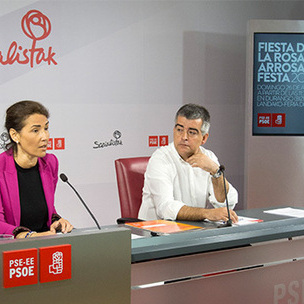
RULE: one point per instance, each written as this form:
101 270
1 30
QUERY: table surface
273 227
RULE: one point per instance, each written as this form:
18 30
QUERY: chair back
130 181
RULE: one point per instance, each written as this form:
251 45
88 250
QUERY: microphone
64 178
229 222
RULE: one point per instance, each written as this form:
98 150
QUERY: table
257 263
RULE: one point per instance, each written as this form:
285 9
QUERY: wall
128 66
274 165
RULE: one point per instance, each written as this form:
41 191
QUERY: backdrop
113 74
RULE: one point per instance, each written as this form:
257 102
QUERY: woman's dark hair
17 113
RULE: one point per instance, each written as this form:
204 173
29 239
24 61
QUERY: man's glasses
190 132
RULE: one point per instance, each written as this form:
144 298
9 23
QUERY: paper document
288 211
163 226
246 221
136 236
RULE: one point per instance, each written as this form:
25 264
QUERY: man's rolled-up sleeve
159 184
232 196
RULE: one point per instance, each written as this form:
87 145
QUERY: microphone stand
64 178
229 222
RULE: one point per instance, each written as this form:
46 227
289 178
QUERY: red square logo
20 267
153 141
264 120
50 144
163 140
279 120
55 263
59 143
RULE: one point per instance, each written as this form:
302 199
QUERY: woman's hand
61 225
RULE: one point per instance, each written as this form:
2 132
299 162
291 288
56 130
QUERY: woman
28 175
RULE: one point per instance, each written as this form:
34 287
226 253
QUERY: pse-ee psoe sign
21 267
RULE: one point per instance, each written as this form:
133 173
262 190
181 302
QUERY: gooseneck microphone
229 222
64 178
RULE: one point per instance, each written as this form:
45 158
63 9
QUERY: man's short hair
194 111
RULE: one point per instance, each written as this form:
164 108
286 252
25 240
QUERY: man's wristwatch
217 174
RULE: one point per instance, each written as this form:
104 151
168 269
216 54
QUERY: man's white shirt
171 183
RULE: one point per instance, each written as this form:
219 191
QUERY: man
183 179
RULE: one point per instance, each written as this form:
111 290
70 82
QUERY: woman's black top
34 211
